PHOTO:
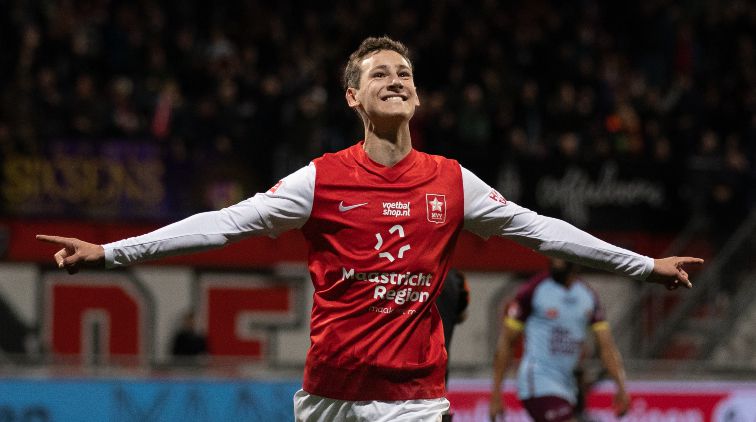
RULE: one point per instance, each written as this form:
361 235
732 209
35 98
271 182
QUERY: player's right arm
503 357
285 206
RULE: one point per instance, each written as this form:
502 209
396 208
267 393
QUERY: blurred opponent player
555 312
381 220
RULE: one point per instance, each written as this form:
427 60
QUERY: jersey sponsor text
398 296
401 279
396 209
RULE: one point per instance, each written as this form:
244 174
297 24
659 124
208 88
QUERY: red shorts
549 409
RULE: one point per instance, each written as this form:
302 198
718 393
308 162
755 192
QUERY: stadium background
634 121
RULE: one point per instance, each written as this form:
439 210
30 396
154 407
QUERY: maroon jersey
380 241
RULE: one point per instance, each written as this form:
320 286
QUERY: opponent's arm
503 358
612 361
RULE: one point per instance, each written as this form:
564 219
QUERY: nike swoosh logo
343 208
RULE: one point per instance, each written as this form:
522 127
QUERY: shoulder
438 160
530 286
588 290
338 156
521 307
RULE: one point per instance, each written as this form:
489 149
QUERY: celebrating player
381 220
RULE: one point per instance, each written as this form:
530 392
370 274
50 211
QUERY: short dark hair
370 45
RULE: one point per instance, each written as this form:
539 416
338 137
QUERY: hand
75 253
496 408
621 402
670 273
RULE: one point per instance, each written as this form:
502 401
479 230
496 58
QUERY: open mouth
394 99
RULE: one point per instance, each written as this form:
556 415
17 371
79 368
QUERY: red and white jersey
380 242
380 239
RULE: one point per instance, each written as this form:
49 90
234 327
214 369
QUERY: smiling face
386 89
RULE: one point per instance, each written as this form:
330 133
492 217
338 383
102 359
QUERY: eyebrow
385 67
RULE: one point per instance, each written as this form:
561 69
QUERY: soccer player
381 220
556 313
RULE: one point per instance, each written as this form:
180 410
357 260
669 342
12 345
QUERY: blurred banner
137 180
662 401
600 195
87 179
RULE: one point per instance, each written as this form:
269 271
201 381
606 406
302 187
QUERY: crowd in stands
251 90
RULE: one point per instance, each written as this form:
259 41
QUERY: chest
571 307
414 218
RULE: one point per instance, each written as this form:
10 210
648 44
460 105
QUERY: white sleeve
487 213
285 206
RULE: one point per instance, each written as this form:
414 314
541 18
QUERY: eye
405 74
378 74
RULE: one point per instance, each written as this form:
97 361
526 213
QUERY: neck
387 147
566 283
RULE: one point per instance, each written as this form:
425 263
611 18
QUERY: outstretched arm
285 207
487 213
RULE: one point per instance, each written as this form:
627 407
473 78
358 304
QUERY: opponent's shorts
311 408
549 409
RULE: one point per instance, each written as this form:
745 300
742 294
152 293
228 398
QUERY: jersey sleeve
488 213
519 308
286 206
597 319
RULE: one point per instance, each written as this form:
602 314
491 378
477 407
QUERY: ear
351 97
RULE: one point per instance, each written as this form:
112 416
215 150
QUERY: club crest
435 206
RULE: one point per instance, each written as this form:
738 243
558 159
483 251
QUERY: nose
396 82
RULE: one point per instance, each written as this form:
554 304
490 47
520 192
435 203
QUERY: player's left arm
612 361
488 213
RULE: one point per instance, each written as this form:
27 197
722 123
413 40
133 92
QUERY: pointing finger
58 240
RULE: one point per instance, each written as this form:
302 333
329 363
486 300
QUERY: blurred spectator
86 109
188 342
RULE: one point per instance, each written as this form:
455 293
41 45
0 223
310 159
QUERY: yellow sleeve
600 326
514 324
